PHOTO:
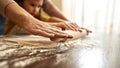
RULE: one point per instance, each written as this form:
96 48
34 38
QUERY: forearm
10 9
14 12
52 10
55 19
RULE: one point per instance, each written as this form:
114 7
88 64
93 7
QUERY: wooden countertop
98 52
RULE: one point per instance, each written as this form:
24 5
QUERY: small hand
74 27
70 26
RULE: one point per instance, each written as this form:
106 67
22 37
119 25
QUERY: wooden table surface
100 51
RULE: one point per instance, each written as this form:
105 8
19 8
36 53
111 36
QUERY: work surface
100 51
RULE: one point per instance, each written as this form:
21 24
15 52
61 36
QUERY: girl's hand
73 26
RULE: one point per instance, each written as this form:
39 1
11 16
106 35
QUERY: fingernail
70 36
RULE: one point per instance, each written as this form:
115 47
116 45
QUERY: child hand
74 27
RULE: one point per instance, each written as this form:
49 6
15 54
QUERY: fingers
41 33
69 26
75 27
58 33
88 31
49 32
58 39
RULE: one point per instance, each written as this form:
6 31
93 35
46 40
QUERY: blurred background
103 18
98 15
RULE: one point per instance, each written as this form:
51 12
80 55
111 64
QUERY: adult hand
37 27
31 24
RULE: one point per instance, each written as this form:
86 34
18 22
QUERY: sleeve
4 4
44 16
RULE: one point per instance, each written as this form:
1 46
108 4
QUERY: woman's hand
37 27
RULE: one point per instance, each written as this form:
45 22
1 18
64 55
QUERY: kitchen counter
99 51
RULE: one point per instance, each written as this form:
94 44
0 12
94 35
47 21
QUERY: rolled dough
75 34
42 41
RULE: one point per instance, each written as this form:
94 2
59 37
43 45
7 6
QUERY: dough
76 35
39 41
